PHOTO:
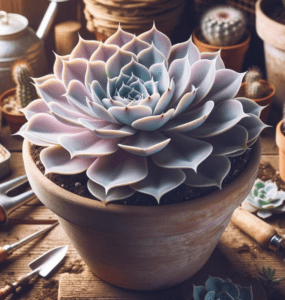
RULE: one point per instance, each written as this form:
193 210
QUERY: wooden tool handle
3 254
257 229
2 215
6 291
9 289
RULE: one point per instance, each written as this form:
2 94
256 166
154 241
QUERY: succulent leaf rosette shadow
138 114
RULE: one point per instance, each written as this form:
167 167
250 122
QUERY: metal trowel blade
48 261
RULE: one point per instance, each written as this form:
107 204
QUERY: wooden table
236 256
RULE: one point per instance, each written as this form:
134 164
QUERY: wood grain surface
237 256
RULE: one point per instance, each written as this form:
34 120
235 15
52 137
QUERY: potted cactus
224 27
153 134
13 100
259 90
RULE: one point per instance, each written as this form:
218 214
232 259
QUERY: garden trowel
42 266
264 234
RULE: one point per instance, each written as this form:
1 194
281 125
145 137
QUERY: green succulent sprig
268 279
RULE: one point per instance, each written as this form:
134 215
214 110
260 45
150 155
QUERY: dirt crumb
75 267
243 248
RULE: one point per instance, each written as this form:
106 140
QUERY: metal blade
48 261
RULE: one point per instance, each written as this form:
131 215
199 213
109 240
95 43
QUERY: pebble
62 185
77 184
37 162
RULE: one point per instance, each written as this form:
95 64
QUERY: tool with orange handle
7 250
264 234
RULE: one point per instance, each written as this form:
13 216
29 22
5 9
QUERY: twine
137 16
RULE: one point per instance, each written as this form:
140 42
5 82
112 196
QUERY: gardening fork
9 203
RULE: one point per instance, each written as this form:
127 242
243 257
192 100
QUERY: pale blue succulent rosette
265 199
138 114
218 289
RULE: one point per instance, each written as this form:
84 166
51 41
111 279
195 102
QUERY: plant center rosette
138 114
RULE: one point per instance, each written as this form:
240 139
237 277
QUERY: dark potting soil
77 184
277 12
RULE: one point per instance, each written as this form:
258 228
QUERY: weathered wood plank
10 142
88 286
32 214
272 159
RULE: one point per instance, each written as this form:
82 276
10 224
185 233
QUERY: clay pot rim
280 138
2 97
213 47
266 97
139 211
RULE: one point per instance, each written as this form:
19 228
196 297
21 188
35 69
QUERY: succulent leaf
57 160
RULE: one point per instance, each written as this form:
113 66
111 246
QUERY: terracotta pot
14 121
232 56
144 248
273 35
280 141
261 101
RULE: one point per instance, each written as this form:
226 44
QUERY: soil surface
78 183
12 105
277 12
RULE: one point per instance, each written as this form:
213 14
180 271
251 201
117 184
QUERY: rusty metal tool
42 266
264 234
7 250
10 203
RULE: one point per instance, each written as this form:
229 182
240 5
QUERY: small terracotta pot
232 56
139 247
280 141
261 101
15 122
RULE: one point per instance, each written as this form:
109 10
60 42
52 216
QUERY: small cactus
223 26
255 88
25 91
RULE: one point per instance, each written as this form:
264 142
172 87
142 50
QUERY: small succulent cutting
219 289
265 199
223 25
25 90
140 115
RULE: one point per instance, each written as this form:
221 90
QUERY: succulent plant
138 114
25 90
223 25
268 280
255 87
265 199
219 289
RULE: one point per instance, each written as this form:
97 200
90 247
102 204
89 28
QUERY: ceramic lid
11 23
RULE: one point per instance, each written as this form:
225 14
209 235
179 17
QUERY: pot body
15 122
265 101
232 56
143 248
273 35
280 141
